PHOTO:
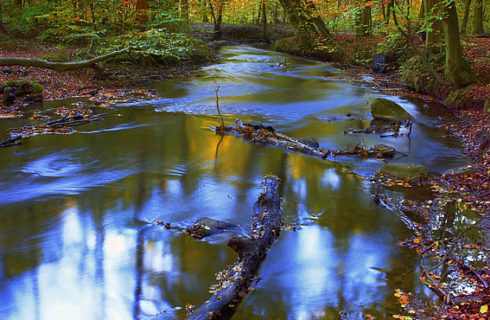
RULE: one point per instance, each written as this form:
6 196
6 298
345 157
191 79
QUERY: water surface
73 239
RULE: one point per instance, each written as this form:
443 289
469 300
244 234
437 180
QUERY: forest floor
470 188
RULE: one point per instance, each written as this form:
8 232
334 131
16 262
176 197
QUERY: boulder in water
205 227
383 109
382 151
403 170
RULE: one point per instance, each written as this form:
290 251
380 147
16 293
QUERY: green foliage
414 73
23 21
158 46
168 19
395 46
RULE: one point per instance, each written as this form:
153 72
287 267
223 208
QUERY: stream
77 212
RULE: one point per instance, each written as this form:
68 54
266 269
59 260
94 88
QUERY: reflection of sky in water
307 267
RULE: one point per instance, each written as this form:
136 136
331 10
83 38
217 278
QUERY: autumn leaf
484 308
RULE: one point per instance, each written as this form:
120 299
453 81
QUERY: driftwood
235 282
61 66
74 120
266 134
10 142
49 127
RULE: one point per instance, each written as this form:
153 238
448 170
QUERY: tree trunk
456 68
264 22
237 281
363 22
296 15
184 9
389 8
478 17
60 66
141 12
433 25
203 11
467 5
219 20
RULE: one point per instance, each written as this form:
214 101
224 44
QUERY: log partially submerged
55 126
61 66
235 282
266 134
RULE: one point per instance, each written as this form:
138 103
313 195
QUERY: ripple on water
54 165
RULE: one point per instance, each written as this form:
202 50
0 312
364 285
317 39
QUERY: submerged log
268 135
60 126
235 282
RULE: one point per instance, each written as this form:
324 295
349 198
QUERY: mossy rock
383 109
460 170
382 151
23 87
403 170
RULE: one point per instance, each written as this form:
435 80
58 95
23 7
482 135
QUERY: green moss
290 45
458 96
23 87
37 88
415 75
403 170
383 109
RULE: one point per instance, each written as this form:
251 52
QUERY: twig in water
217 107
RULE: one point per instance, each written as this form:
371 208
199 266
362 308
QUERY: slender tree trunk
217 18
203 10
467 5
478 17
363 22
389 8
456 68
433 26
141 12
264 22
184 9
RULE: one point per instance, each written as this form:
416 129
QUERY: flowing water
74 245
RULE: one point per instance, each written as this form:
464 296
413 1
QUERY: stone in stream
205 227
459 170
403 170
382 151
310 141
383 109
381 62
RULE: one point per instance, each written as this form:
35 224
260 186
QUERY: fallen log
235 282
10 142
61 66
266 134
61 126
